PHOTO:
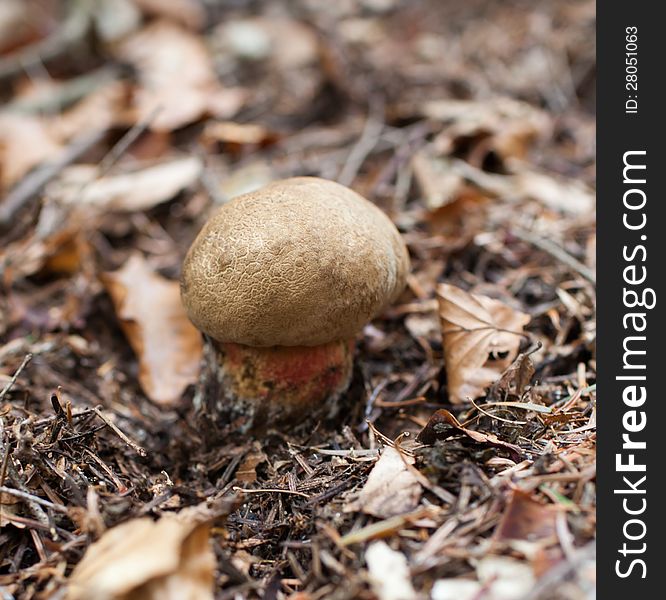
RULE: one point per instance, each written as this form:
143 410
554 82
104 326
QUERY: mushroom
281 280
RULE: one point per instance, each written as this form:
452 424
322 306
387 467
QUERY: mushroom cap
300 262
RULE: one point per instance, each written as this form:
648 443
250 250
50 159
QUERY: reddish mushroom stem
283 383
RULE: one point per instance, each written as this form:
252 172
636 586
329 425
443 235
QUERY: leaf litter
464 466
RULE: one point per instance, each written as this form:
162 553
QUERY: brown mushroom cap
300 262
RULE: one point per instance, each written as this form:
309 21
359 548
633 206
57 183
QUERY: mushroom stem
277 384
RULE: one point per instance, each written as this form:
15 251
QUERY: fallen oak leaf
474 329
442 425
168 346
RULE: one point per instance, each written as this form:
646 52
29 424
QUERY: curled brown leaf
153 319
481 337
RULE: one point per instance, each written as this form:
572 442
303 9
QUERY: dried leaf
178 84
247 469
151 315
475 329
389 573
439 184
25 142
563 195
8 510
461 219
424 326
519 374
167 559
508 127
435 430
391 489
80 185
238 133
526 519
76 200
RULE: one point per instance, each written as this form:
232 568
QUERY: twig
565 404
556 252
384 528
54 101
369 137
12 381
32 498
209 181
270 490
31 185
132 444
383 404
121 146
348 453
495 416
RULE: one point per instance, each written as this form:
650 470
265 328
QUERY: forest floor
465 466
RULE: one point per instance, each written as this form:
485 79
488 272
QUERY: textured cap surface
300 262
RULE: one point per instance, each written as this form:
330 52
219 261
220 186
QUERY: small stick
384 404
209 181
384 528
271 490
475 405
39 545
70 92
132 444
350 453
12 381
556 252
121 146
366 143
32 498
